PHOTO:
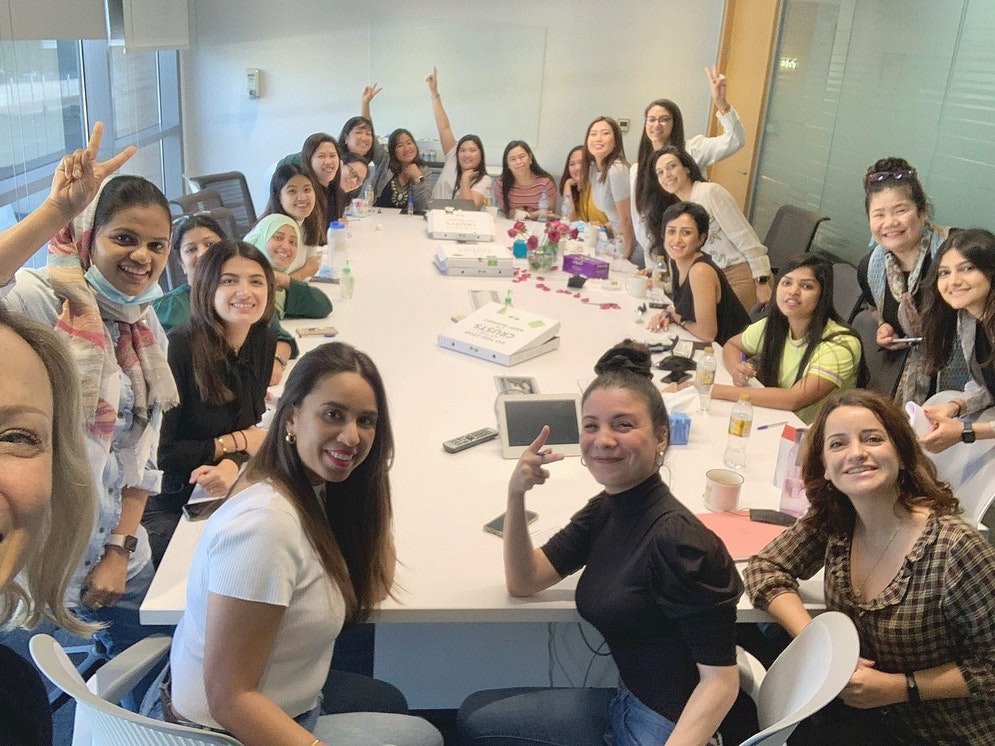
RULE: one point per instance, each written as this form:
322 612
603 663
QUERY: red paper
742 537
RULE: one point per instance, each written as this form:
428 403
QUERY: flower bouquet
542 254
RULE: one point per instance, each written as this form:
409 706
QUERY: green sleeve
306 302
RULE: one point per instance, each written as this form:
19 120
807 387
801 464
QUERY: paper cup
722 487
637 286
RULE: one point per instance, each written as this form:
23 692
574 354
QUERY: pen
772 424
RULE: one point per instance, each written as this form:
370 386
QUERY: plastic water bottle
603 247
543 214
740 424
368 196
704 379
348 282
568 207
411 204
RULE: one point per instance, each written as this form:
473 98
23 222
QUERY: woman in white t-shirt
464 175
302 547
608 175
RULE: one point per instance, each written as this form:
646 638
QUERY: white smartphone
496 526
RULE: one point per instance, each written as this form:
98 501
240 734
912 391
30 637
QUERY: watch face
967 435
130 543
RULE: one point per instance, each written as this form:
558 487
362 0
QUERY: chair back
846 290
98 719
791 232
884 366
234 192
807 676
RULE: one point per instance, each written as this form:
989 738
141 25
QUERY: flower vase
542 258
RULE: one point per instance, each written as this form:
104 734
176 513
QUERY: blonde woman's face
26 433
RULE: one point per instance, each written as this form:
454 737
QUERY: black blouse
732 317
982 352
186 440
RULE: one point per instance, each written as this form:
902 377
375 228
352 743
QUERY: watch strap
967 435
912 688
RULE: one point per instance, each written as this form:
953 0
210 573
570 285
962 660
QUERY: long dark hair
395 165
676 130
481 169
508 178
351 124
312 229
330 198
188 222
574 190
209 346
354 540
918 483
777 331
617 154
652 200
938 335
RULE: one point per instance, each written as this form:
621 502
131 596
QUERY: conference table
452 628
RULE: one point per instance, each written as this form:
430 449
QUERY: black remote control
760 515
470 440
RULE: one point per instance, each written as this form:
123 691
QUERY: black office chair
791 233
883 366
846 290
234 192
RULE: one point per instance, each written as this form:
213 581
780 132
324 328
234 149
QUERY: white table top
449 568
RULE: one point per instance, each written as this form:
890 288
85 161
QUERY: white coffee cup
722 488
637 286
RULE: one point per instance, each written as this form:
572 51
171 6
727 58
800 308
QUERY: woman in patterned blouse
913 577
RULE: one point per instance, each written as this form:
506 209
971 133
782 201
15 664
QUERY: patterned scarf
885 274
81 326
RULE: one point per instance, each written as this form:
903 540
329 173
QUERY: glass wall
858 80
51 92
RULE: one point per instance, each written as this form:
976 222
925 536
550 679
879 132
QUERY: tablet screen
522 417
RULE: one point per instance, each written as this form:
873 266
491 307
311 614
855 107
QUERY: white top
731 238
254 548
614 188
447 180
705 151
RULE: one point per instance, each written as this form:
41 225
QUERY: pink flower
574 233
553 236
533 242
512 232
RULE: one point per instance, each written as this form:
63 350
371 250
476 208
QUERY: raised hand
433 81
369 93
78 175
717 82
530 471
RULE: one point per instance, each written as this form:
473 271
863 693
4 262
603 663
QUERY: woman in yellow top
575 184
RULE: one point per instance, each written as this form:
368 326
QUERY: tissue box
586 266
680 428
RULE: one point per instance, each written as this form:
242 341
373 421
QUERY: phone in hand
201 509
496 526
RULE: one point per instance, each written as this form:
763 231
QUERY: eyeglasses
659 120
897 175
353 172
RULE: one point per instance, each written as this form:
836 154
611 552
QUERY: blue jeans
635 724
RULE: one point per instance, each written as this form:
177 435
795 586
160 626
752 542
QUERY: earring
290 438
660 457
582 461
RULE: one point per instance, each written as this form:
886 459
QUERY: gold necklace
856 588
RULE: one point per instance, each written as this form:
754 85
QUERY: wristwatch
281 359
124 541
968 435
763 280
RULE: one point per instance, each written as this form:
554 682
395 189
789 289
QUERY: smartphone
317 331
908 340
496 526
201 509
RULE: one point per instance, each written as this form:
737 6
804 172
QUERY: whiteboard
490 79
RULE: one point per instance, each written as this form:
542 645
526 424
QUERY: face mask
96 280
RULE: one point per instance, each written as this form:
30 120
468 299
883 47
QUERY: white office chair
807 676
98 719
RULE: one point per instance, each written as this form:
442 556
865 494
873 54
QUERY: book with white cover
503 334
460 226
477 260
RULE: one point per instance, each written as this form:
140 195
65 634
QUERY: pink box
586 266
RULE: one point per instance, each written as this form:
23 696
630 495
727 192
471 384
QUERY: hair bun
627 356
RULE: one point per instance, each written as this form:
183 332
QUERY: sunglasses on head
897 175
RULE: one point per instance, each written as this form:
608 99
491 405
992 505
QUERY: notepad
742 537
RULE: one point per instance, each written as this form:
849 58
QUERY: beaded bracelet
220 440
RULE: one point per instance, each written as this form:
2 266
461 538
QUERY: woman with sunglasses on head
96 289
522 182
222 361
46 495
804 350
409 182
575 185
464 174
607 173
292 192
671 176
663 125
960 306
704 302
278 237
302 547
192 236
658 585
903 245
910 574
